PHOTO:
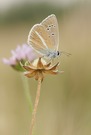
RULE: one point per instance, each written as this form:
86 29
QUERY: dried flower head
39 68
20 54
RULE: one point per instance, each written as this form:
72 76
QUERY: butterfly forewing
39 39
51 26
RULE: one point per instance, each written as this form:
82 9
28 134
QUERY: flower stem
35 106
27 92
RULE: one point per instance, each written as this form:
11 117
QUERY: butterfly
44 37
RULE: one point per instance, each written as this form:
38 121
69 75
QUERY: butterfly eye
58 53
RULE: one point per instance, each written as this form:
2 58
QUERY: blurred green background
65 101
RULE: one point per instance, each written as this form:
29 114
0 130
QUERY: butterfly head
58 53
52 54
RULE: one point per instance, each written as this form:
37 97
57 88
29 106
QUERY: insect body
44 37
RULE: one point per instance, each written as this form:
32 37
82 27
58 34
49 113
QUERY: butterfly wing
51 26
43 37
39 39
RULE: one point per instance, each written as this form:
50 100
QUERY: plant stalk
35 106
27 92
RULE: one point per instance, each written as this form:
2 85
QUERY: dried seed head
35 62
39 68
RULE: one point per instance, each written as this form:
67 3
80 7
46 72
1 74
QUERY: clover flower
20 54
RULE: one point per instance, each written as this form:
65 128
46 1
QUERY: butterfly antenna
65 53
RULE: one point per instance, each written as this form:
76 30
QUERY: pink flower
20 54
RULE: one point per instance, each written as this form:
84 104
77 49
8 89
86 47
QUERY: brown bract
40 69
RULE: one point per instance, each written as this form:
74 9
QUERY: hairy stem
35 106
27 92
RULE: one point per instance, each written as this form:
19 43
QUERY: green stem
27 92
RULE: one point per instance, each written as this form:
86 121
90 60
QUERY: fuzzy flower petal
11 61
20 54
